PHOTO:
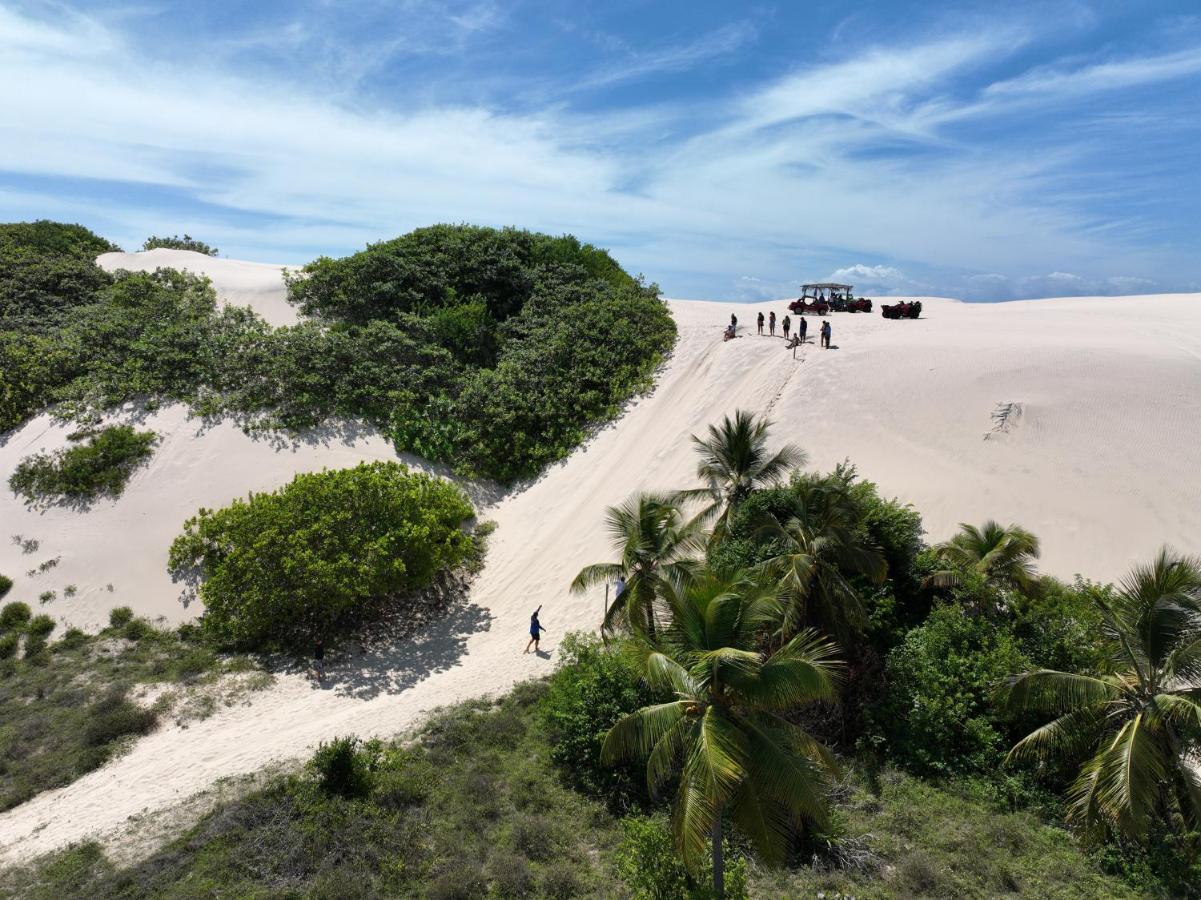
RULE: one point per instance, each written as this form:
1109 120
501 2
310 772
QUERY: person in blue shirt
536 630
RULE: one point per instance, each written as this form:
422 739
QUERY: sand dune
1078 418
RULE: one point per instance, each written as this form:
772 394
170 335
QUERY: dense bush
100 466
322 553
491 350
6 585
113 717
14 616
346 767
175 242
593 687
651 866
45 269
939 712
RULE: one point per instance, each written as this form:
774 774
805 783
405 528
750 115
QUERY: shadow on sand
391 664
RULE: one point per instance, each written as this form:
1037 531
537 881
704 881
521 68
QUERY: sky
985 151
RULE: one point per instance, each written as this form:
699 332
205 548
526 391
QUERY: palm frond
635 735
1050 691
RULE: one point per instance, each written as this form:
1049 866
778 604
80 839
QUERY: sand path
1078 418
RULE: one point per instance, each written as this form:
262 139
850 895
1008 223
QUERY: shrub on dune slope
322 553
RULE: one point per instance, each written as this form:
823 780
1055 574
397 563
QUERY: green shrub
560 881
511 875
593 687
113 717
175 242
346 766
35 648
651 867
323 553
6 585
41 625
8 645
100 467
72 638
939 714
120 616
14 616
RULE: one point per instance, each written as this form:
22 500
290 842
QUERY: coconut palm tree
734 461
723 739
1140 726
656 547
821 549
1002 555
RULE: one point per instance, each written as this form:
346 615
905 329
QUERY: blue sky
979 150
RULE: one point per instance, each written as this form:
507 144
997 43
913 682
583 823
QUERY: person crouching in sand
536 630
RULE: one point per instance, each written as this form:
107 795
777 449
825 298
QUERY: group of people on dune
792 341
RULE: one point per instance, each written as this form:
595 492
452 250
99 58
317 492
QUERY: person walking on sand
787 326
536 630
760 323
734 322
319 659
771 323
802 328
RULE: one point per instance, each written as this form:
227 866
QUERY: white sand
1101 462
257 285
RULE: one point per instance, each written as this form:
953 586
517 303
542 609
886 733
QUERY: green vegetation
66 707
6 585
323 554
493 351
476 806
1139 725
175 242
723 736
473 808
99 467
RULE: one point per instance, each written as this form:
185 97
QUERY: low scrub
100 466
175 242
67 706
323 554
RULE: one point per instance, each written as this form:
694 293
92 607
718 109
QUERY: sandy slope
257 285
1098 455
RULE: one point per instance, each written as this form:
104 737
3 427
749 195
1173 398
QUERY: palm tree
1142 723
723 737
655 547
1003 556
734 462
820 550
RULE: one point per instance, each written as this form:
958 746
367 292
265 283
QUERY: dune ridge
1101 464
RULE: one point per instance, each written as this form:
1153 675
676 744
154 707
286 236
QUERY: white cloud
767 183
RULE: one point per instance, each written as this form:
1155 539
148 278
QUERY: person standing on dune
536 630
826 332
771 323
802 328
787 326
760 323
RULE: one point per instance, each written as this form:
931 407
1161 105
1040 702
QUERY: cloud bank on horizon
1042 149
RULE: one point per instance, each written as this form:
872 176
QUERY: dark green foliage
1060 626
8 645
6 585
45 269
14 616
651 866
175 242
939 713
120 616
99 467
592 689
325 552
41 625
346 767
491 350
113 717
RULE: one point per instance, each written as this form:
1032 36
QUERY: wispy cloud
879 168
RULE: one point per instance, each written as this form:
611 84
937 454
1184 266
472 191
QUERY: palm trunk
719 865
